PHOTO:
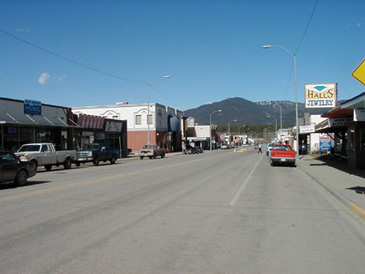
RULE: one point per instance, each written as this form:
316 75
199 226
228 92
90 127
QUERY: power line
306 29
302 39
70 60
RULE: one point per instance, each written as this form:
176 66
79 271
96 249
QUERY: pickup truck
282 154
96 152
151 151
45 154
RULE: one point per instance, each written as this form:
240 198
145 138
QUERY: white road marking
239 192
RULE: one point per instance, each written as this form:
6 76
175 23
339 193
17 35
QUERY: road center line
239 192
90 182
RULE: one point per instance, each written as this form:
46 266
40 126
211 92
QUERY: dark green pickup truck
96 152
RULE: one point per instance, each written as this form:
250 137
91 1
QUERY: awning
333 125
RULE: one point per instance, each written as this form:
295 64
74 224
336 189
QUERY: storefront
112 133
31 121
347 122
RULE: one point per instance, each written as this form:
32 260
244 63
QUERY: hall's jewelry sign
321 95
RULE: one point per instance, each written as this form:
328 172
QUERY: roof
345 110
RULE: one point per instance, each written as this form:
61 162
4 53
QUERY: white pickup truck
44 154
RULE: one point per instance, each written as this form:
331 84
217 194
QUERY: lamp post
281 118
239 128
148 105
296 91
229 126
276 122
210 127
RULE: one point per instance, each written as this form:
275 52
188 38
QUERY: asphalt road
217 212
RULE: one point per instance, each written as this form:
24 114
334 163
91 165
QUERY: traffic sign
359 72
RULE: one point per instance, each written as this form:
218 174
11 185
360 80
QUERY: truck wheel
35 164
162 155
67 164
112 160
141 157
48 167
21 178
78 163
96 161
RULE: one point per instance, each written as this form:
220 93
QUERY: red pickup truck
282 154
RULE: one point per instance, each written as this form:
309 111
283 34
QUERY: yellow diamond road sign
359 72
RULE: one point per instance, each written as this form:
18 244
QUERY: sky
86 53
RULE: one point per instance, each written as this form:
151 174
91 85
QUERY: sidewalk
343 182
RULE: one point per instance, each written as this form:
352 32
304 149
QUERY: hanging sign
321 95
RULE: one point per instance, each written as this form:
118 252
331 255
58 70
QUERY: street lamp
148 105
239 128
276 122
210 127
229 126
296 91
281 119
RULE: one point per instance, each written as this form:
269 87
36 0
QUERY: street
216 212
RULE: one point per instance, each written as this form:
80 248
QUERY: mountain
247 112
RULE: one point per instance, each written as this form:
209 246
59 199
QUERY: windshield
91 147
281 148
29 148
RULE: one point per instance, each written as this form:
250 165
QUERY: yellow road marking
357 209
240 150
90 182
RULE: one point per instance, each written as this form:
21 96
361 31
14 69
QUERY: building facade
159 125
347 125
30 121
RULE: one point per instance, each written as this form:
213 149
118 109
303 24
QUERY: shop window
44 136
138 120
25 135
10 138
149 120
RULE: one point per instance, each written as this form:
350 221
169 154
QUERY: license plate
283 160
81 159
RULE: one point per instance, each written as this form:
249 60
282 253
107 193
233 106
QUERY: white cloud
356 25
61 77
21 30
44 78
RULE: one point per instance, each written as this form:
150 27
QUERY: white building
160 125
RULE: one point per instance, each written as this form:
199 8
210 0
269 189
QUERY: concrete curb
360 212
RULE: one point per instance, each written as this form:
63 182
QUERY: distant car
151 151
224 146
14 170
269 147
195 150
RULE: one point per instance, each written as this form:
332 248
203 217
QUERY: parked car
195 150
45 154
268 148
14 170
282 154
224 146
151 151
96 152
